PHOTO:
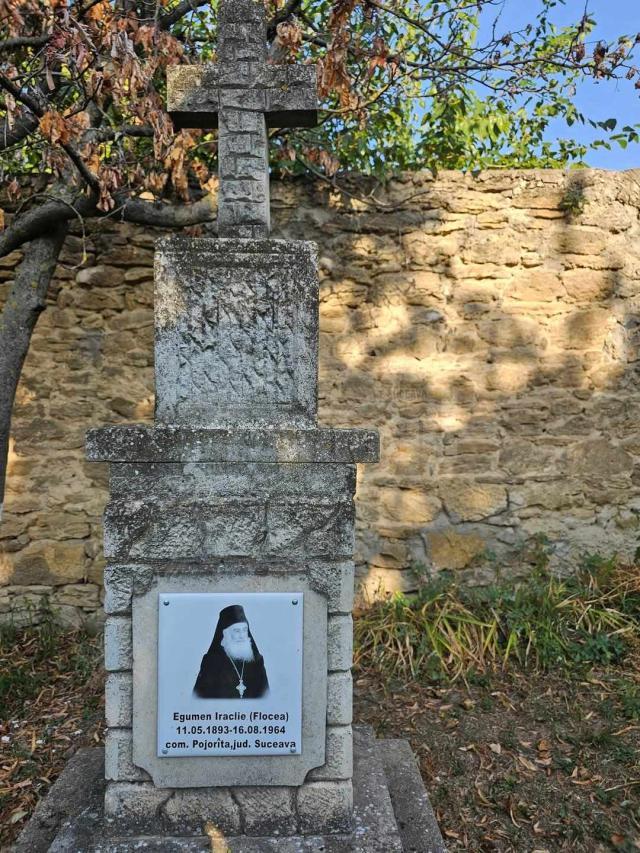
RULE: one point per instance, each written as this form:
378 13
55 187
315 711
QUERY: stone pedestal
237 490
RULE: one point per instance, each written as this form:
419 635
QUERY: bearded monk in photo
233 668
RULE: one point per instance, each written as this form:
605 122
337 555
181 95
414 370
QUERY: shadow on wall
488 327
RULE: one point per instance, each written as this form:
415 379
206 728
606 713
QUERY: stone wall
487 326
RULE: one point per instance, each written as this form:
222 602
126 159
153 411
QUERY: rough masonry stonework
487 326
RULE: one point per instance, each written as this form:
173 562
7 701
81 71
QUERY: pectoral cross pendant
241 688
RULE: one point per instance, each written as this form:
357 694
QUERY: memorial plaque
230 674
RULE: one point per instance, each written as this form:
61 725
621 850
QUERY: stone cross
242 95
235 498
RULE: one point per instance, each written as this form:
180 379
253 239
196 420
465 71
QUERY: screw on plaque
292 749
165 751
295 601
165 602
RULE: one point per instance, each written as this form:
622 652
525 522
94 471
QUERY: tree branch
72 153
170 18
290 9
22 127
167 215
40 220
105 134
24 41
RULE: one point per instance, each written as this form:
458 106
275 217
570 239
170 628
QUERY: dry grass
519 761
544 622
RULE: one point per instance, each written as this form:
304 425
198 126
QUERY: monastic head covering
230 615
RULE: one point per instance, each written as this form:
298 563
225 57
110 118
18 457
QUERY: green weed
446 632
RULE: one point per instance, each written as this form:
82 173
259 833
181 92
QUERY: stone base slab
392 813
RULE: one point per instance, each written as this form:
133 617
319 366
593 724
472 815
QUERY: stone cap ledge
214 246
145 443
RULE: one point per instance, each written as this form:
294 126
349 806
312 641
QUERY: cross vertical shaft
243 151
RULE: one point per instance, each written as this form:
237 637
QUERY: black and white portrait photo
233 667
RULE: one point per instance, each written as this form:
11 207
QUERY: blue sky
598 100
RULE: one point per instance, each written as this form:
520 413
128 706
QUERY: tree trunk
24 305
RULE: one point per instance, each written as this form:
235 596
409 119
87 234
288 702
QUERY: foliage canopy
404 84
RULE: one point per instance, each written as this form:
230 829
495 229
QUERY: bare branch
32 104
170 18
24 41
167 215
105 134
42 219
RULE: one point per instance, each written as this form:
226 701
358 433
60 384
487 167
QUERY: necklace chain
240 687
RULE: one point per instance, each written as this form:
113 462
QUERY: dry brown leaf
54 128
526 763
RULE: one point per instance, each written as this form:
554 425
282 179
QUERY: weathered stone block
141 443
99 276
339 756
286 94
339 699
336 581
118 654
465 500
136 530
236 332
119 700
452 550
204 481
409 506
267 810
118 588
340 642
201 809
598 458
311 529
118 757
85 595
589 285
134 805
325 807
43 560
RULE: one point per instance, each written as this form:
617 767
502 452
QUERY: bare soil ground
51 703
516 762
522 762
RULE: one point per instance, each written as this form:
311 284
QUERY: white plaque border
219 771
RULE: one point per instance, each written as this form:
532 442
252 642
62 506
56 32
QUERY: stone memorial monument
229 535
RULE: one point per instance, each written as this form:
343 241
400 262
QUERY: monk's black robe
218 679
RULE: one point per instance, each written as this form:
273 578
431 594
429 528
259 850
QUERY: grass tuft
447 632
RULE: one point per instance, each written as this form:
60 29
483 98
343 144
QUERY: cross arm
193 95
286 94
